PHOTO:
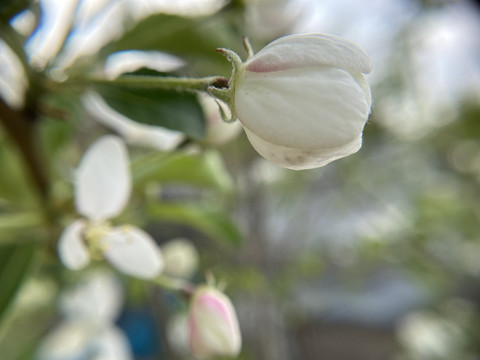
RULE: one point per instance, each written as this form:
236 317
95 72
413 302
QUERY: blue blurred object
140 328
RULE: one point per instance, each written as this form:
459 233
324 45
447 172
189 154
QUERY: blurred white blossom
13 83
177 334
268 19
427 336
132 60
180 257
142 8
102 189
88 329
134 133
219 131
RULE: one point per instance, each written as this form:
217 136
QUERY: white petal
298 159
307 50
97 299
303 108
68 341
133 132
133 252
177 334
71 249
103 181
131 60
12 80
180 257
112 345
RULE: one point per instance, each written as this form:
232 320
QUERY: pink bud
212 325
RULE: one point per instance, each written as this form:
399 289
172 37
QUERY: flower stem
19 124
163 83
169 283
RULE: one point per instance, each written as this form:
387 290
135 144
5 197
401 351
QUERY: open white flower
102 189
303 100
88 330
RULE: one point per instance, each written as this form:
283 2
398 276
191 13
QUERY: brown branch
20 125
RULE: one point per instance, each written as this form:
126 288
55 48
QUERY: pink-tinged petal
71 248
133 252
103 180
309 50
212 325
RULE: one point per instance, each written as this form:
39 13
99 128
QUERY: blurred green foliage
409 204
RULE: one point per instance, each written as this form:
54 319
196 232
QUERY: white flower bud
212 325
180 257
303 100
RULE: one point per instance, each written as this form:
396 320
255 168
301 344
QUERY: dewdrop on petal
303 100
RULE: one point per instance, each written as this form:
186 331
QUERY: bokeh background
373 257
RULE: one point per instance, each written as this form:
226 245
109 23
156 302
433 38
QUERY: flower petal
133 252
298 159
103 181
133 132
303 108
98 298
306 50
129 61
71 249
213 325
69 340
180 257
112 344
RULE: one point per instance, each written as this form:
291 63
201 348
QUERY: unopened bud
180 257
212 325
303 100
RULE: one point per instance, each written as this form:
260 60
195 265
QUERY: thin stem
169 283
248 47
20 221
20 126
163 83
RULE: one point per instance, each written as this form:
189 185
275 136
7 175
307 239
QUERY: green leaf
177 35
174 110
15 262
10 8
14 184
214 223
205 170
